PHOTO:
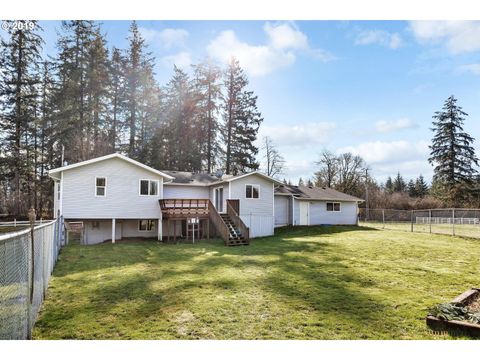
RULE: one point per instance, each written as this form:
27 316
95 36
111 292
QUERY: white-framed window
146 225
148 187
333 206
100 186
252 191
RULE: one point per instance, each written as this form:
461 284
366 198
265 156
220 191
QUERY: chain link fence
460 222
27 259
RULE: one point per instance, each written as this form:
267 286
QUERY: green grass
304 283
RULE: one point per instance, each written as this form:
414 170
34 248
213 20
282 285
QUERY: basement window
146 225
100 186
148 187
333 206
252 191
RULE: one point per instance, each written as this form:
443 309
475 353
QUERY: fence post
411 221
31 277
430 219
383 218
453 222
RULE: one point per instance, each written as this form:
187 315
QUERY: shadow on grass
171 276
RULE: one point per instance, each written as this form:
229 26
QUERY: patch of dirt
474 306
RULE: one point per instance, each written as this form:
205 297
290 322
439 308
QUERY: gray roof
314 193
189 178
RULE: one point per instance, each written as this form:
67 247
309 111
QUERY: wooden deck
184 208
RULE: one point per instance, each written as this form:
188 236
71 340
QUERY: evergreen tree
181 133
301 182
421 187
399 184
452 152
412 189
117 98
389 185
137 61
20 62
208 89
241 121
310 183
73 123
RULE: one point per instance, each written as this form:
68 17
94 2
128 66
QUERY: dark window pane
100 191
101 181
144 187
153 188
329 206
248 193
142 225
255 192
336 206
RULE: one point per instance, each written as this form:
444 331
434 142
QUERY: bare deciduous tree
274 161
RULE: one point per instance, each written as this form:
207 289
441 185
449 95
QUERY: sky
366 87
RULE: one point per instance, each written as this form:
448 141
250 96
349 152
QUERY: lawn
303 283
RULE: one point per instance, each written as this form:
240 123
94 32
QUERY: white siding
318 214
282 210
346 216
185 192
257 214
122 200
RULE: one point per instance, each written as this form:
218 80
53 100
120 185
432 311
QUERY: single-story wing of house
114 197
310 205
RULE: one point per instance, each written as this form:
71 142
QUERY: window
252 191
100 186
96 225
333 206
58 190
146 225
148 187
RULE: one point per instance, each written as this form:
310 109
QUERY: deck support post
113 231
160 229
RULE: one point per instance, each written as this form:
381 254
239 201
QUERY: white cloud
379 37
472 68
299 135
384 126
285 36
167 38
284 42
389 153
256 60
182 60
458 36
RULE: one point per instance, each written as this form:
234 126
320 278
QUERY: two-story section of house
114 197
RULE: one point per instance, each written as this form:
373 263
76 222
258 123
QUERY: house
114 197
309 205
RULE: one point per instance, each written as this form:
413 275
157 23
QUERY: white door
304 212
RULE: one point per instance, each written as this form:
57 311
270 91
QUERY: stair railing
235 217
218 222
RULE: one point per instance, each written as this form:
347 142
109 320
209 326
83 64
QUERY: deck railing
184 207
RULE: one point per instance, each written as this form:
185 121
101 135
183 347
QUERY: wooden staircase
235 234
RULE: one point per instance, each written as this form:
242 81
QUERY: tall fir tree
20 78
452 153
411 188
241 121
421 187
117 99
73 114
207 77
399 184
389 185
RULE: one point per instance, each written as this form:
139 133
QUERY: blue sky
369 87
